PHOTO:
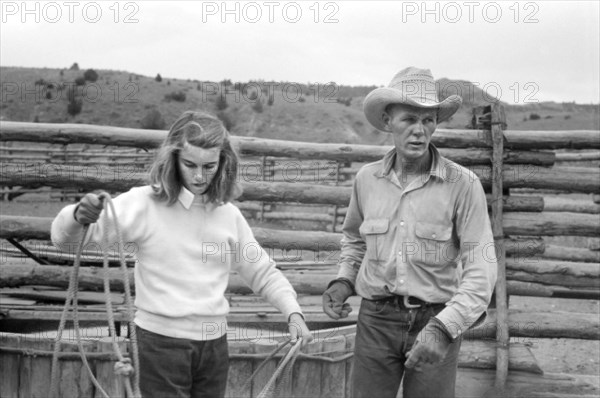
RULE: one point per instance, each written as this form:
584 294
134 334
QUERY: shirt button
433 236
401 281
402 223
400 253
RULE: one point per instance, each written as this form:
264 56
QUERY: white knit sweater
184 255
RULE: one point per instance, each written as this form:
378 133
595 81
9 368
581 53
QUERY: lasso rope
283 368
123 367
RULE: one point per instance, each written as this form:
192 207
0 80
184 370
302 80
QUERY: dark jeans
182 368
385 332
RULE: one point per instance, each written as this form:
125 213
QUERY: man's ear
386 118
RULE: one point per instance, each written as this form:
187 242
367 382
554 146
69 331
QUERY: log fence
309 184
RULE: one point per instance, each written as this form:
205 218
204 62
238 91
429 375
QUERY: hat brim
377 100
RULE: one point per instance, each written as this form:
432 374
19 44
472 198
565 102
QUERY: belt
406 301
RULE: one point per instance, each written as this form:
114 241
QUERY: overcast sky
519 51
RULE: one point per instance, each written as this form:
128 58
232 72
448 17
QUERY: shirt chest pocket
435 245
374 232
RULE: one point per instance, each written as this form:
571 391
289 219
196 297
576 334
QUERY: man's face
411 130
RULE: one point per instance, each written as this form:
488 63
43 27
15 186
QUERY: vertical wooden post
498 122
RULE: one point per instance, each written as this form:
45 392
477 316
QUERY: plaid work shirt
431 240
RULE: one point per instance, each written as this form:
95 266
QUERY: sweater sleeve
257 269
130 208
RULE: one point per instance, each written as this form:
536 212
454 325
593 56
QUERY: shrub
221 102
534 116
178 96
153 120
80 81
227 121
567 117
301 99
158 77
75 66
253 95
90 75
257 106
40 82
74 107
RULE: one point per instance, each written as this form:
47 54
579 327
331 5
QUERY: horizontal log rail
24 228
571 254
545 274
120 136
122 178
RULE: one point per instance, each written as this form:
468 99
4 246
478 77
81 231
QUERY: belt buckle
409 305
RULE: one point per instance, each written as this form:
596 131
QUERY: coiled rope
124 367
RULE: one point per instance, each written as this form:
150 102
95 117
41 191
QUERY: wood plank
10 364
333 375
105 373
306 379
240 369
571 254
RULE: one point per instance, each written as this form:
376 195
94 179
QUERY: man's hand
334 300
88 210
430 347
298 328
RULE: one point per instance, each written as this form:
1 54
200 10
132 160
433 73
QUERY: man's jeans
182 368
385 333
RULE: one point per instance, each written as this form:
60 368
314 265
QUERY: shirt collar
187 198
438 163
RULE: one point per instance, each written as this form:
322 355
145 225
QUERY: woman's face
197 167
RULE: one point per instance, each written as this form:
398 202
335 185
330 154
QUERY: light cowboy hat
410 86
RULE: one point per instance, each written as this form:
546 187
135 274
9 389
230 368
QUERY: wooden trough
322 369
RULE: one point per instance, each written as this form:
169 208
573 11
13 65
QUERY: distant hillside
286 111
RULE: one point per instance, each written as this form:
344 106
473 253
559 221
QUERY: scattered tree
90 75
258 106
158 78
534 116
178 96
153 120
74 107
75 66
221 102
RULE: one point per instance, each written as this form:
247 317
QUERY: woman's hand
298 328
88 210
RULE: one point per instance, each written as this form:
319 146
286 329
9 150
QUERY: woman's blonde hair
205 131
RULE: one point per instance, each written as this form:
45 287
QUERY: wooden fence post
498 123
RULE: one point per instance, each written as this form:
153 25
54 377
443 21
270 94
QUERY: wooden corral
317 195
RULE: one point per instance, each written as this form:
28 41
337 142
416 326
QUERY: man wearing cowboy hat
417 247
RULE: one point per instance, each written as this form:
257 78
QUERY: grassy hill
120 98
